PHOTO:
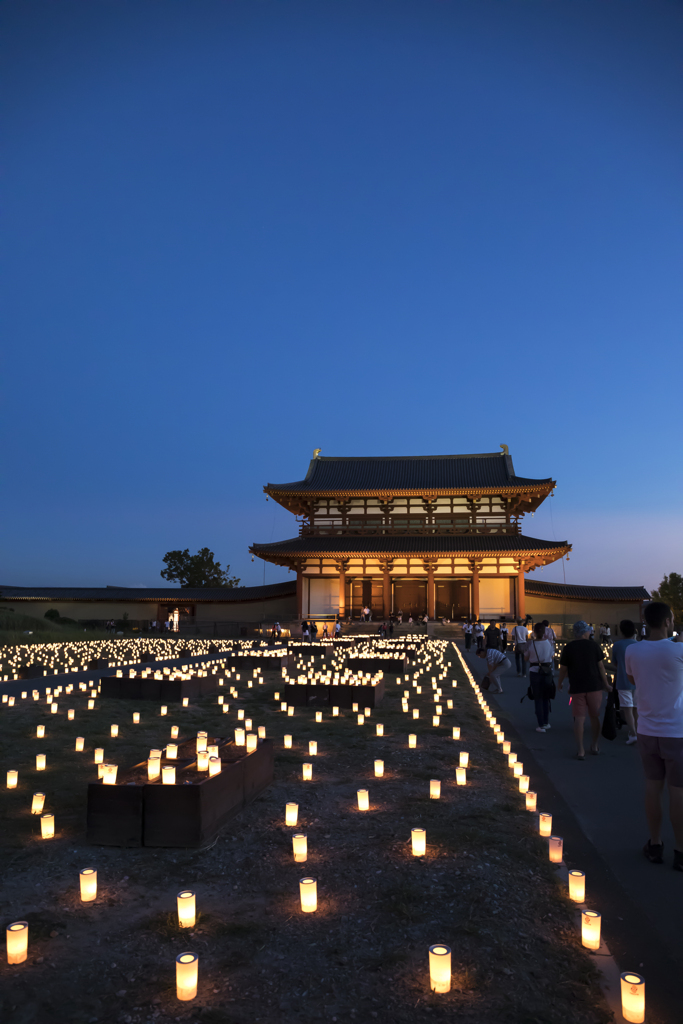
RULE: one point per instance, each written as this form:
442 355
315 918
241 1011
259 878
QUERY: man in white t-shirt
520 636
655 667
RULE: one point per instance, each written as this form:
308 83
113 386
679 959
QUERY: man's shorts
627 699
586 703
662 757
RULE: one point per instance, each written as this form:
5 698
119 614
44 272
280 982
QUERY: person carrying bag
539 654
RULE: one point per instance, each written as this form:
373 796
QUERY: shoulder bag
545 672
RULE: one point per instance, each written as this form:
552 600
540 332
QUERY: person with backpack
539 655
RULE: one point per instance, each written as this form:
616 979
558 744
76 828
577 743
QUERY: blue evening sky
238 230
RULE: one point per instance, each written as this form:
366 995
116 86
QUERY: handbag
545 672
609 721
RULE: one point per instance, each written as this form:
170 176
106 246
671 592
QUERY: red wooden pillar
521 604
475 592
386 591
342 591
431 592
299 594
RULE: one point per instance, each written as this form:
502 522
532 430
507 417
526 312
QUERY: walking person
539 655
519 640
478 633
337 629
582 661
655 668
549 634
305 631
496 664
492 635
503 636
467 630
627 692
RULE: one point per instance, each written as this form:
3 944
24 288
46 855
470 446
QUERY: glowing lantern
577 886
335 712
367 712
412 740
53 707
164 709
168 775
153 768
12 777
506 746
461 776
418 838
240 737
240 715
440 968
500 737
203 761
187 909
214 766
464 759
456 732
290 712
114 731
47 826
416 713
17 942
434 789
288 741
524 783
40 762
363 800
71 714
545 825
186 976
312 748
379 769
518 769
109 774
435 721
307 772
300 847
354 707
252 742
99 755
40 731
633 997
361 719
308 892
291 814
37 803
555 849
80 742
91 705
590 929
201 741
226 709
221 698
186 702
318 716
380 729
283 705
512 759
88 879
261 732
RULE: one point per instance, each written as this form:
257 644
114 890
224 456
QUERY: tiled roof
405 543
160 594
537 588
423 472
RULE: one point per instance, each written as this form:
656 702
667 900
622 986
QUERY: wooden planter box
137 812
251 661
394 666
170 690
326 695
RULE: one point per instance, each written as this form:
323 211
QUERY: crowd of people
642 674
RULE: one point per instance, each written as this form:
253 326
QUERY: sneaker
678 860
539 728
655 852
546 727
630 740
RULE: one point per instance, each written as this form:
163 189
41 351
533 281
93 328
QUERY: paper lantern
261 732
434 789
47 826
633 997
361 719
312 748
99 755
226 709
300 847
164 709
577 886
379 729
71 714
416 713
40 732
307 772
240 738
435 721
136 718
91 705
531 801
291 814
214 766
354 707
290 712
545 825
288 741
17 942
412 740
555 849
168 775
518 769
40 762
187 909
252 742
335 712
283 705
240 715
506 746
379 769
53 707
500 737
109 774
590 929
318 716
363 800
512 759
456 732
114 731
153 768
100 771
418 837
12 777
449 705
308 893
440 968
367 712
37 803
88 880
461 776
201 741
524 783
464 759
221 698
203 761
186 702
80 742
186 976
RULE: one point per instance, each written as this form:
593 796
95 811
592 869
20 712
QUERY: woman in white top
540 652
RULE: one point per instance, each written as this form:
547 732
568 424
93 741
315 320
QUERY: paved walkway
641 903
